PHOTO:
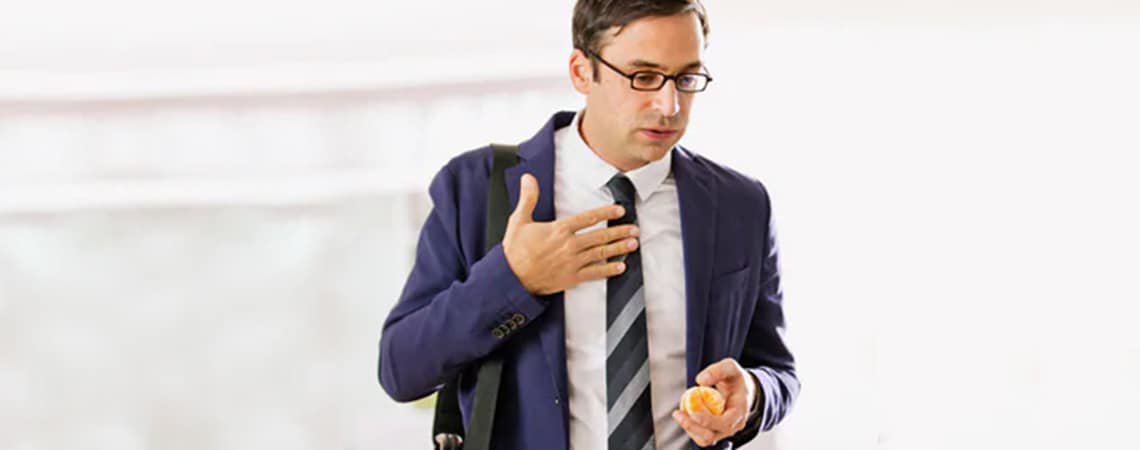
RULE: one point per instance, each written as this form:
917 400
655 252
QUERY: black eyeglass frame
664 78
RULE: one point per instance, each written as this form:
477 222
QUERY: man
611 311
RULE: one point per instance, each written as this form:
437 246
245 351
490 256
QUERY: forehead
671 41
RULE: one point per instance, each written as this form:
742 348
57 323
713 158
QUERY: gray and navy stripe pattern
630 415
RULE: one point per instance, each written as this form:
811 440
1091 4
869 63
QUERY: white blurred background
207 209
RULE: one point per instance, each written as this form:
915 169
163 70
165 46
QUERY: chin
654 152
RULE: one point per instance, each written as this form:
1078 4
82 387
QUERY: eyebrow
641 63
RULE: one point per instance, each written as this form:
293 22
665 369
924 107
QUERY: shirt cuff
757 397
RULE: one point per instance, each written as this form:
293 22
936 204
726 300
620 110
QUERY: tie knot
622 189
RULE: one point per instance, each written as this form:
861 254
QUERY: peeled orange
702 398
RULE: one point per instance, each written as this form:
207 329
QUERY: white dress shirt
580 178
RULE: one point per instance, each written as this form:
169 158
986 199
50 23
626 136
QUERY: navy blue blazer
456 296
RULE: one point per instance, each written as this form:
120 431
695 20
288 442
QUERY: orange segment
702 398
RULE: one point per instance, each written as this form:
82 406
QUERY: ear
581 71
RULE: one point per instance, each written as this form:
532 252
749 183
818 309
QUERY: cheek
629 103
633 107
623 106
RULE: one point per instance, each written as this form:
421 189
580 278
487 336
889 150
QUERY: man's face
638 127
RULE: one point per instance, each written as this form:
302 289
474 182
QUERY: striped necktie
629 414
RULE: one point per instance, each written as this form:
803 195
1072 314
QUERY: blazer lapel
698 201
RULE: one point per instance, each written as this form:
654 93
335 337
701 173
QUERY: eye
646 78
691 82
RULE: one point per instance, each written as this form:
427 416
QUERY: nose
666 101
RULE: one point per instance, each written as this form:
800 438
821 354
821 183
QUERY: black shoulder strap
498 207
448 425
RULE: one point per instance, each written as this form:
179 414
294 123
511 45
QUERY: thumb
723 370
528 197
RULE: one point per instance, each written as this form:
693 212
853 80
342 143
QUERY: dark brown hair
592 18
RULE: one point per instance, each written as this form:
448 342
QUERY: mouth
658 134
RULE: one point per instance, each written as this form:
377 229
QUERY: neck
593 138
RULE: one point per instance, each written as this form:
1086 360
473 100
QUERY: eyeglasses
652 80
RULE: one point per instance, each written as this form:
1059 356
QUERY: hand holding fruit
711 414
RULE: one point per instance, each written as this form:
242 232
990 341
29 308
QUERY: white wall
179 275
956 207
206 210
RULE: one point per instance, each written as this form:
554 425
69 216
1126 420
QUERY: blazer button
518 318
512 325
497 332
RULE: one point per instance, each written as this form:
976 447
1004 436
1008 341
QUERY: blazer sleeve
766 354
449 311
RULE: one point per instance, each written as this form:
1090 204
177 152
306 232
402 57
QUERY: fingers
605 236
598 271
727 376
528 197
593 216
703 436
724 425
725 370
605 252
706 429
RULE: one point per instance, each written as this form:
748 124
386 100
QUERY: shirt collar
589 168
